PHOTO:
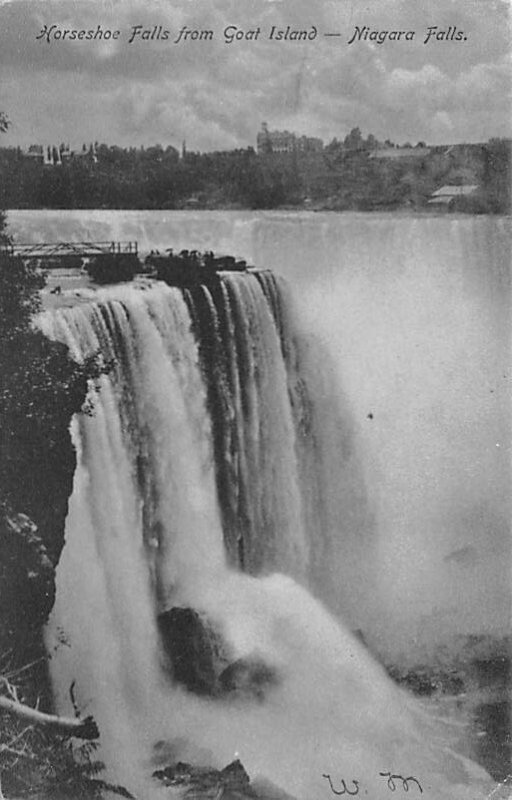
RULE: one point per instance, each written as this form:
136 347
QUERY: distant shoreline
402 211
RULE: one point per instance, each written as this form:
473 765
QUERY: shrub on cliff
39 760
41 387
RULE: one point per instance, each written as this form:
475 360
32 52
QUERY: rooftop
455 191
400 152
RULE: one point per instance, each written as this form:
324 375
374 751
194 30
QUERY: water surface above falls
397 358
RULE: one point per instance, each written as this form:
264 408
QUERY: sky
214 95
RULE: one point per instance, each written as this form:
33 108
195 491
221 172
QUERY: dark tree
354 140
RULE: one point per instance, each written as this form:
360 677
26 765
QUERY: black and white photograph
255 373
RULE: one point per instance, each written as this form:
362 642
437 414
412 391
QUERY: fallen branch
81 728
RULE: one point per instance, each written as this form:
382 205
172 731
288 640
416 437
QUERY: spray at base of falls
145 533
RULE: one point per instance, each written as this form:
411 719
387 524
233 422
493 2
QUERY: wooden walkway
53 252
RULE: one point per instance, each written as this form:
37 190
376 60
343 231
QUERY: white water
415 337
412 319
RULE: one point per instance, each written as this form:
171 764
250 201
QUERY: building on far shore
447 196
36 153
55 156
401 153
285 142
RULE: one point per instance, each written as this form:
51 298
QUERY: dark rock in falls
202 661
247 677
196 651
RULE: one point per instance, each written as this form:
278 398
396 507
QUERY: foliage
19 296
354 140
143 178
38 762
41 387
498 175
4 239
154 177
34 762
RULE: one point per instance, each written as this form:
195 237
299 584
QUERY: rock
195 649
230 783
200 781
248 677
201 659
235 776
177 774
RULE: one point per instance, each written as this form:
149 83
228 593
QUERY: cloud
216 94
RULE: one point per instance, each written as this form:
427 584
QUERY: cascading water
246 379
209 416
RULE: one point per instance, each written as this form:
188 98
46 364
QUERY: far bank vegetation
357 173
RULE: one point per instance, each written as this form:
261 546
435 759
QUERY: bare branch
81 728
11 690
15 672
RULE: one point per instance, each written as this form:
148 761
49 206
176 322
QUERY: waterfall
404 326
253 429
210 476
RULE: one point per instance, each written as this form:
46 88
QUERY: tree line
348 174
151 177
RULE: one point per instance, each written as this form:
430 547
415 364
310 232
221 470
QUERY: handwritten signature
391 783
